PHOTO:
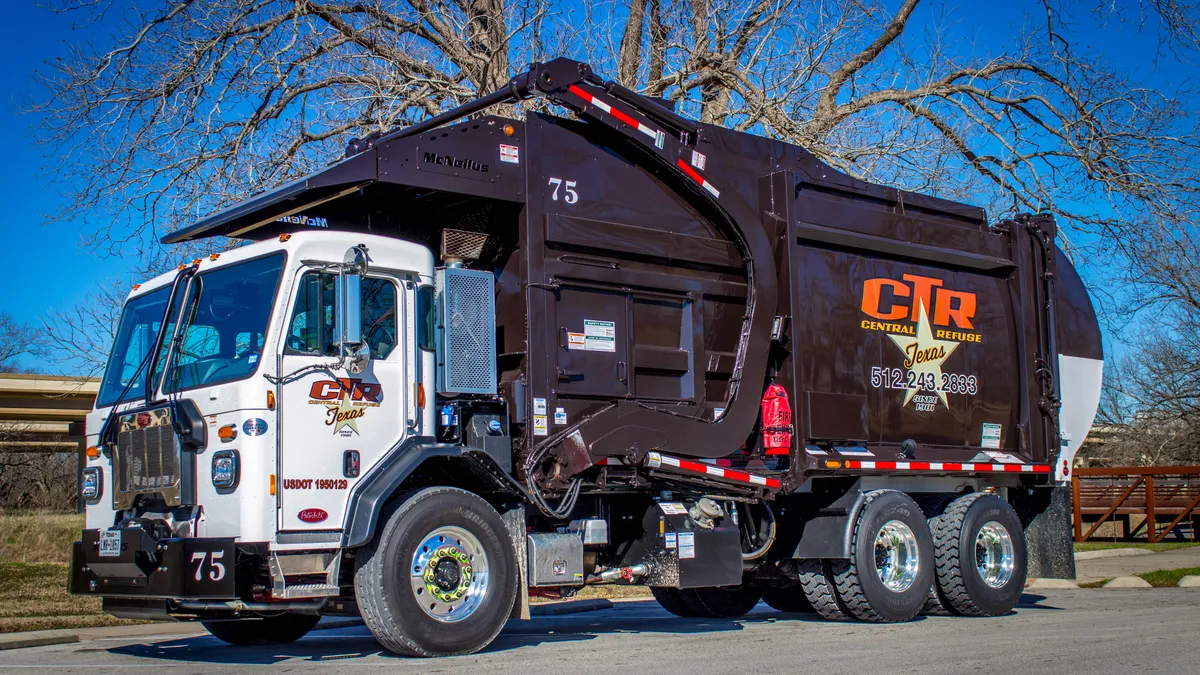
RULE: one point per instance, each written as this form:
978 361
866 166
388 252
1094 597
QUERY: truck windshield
226 315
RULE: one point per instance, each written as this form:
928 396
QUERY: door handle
621 374
566 375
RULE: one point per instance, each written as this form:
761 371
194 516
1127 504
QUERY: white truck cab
258 343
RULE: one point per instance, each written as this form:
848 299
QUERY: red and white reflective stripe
655 461
695 175
948 466
613 111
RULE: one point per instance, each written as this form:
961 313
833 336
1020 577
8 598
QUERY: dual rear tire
970 559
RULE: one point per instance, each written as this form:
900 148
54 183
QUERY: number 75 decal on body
216 569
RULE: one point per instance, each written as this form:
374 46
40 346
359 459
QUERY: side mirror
348 321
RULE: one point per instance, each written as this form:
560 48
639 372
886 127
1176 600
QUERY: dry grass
38 537
33 596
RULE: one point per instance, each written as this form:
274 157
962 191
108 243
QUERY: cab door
335 425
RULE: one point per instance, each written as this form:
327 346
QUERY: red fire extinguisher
776 421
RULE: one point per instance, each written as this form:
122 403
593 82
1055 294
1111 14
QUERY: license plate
110 544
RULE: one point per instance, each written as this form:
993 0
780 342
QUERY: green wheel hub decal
448 574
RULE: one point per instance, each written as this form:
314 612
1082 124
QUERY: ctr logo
904 301
347 400
335 390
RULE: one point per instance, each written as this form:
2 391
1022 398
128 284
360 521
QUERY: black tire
671 599
787 599
271 630
817 585
859 586
960 587
382 581
721 602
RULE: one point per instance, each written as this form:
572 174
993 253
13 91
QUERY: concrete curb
1111 553
37 638
569 607
1189 581
1127 582
44 638
1037 584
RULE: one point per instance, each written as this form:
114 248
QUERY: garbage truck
481 360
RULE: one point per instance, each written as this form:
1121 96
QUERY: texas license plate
110 544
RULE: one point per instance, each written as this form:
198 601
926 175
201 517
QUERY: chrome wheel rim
896 556
449 574
994 554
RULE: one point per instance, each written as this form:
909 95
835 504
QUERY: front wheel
269 630
440 578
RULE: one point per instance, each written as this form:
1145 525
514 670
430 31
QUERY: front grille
146 458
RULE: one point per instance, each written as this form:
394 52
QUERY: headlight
225 470
92 485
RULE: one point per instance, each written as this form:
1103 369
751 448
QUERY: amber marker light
832 464
93 452
284 237
420 395
136 286
270 400
214 256
272 484
509 130
227 432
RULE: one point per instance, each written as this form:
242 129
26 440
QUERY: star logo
345 416
923 354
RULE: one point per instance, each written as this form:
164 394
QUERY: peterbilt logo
312 515
454 162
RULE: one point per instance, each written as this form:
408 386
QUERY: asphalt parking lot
1092 631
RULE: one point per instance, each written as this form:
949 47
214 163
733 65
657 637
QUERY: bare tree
16 340
189 106
77 339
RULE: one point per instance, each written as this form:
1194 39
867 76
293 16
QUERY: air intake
467 332
463 246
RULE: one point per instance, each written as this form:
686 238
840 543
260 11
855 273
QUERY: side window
311 327
311 330
379 316
426 319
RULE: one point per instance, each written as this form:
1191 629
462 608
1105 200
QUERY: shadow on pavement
357 643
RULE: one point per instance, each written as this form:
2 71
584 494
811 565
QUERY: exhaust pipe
626 574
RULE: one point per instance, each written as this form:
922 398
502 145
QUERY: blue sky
46 265
55 271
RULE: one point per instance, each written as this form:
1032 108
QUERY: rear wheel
721 602
270 630
981 557
671 599
440 578
890 571
787 598
816 582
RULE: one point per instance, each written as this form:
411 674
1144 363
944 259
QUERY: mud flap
1046 515
514 522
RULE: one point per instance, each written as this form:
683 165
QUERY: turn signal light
832 464
227 432
93 452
